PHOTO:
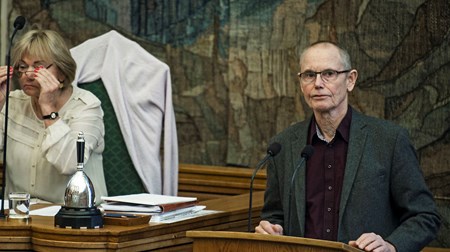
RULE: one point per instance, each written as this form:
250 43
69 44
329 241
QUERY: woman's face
26 70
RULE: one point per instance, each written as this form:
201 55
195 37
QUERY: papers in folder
147 203
177 215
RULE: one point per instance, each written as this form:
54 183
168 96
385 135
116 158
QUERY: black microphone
307 152
19 23
272 151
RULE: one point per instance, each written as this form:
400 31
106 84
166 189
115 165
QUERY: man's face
331 95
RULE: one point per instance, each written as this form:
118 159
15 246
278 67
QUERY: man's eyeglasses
23 69
326 75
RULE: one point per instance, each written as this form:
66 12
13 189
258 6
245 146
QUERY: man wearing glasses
362 185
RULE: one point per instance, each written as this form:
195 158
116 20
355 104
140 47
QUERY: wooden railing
210 182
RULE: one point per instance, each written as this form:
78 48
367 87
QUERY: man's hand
266 227
372 242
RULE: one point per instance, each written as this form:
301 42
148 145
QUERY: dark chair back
120 175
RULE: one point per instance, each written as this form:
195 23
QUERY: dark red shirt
324 177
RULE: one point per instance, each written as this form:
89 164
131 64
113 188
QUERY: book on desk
160 207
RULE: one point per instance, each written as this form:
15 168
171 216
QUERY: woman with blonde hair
45 116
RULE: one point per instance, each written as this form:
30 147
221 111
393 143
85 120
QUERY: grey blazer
383 189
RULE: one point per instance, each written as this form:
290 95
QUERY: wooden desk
250 242
40 234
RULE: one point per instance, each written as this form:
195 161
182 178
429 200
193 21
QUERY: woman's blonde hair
49 46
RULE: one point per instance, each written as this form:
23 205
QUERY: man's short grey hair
345 57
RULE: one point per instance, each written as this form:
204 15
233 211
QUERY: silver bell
80 191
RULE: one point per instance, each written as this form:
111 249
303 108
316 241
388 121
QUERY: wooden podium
223 241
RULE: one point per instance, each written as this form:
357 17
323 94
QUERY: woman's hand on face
50 86
3 77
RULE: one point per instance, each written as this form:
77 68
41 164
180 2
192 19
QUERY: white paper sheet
46 211
123 207
176 213
148 199
182 217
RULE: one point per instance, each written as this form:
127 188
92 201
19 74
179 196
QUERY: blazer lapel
358 136
299 185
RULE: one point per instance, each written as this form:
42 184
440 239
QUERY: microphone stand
307 152
260 164
272 151
18 25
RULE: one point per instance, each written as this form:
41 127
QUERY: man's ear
351 79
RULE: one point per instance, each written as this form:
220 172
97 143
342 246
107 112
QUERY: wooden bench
210 182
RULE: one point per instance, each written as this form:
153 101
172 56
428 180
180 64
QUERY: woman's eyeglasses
23 69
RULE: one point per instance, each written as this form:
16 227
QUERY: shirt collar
343 129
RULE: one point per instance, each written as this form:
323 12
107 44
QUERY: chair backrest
120 175
140 89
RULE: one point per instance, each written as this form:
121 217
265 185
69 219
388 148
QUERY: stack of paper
177 215
161 207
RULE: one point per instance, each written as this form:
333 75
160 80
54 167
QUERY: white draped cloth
139 86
